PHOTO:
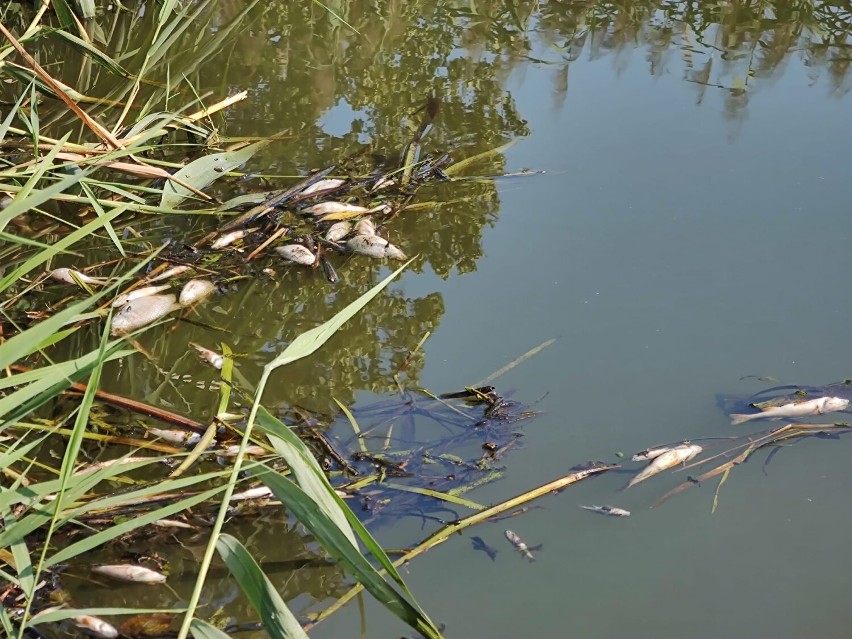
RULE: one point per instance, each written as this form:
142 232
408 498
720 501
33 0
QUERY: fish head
834 404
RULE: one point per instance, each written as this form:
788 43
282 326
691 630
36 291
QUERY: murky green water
691 227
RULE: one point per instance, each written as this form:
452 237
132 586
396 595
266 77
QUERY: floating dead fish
612 511
374 246
260 492
677 455
138 293
328 270
172 272
252 451
131 573
817 406
297 254
519 544
382 183
655 451
336 208
171 523
365 226
176 436
323 185
142 312
216 360
195 291
95 627
479 544
338 231
67 276
230 238
109 462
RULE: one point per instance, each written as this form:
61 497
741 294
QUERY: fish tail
739 418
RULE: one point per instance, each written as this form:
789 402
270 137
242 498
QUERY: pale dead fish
176 436
338 231
374 246
654 451
168 273
260 492
383 183
138 293
335 208
109 462
142 312
195 291
252 451
171 523
677 455
229 238
95 627
131 573
322 185
612 511
522 548
216 360
816 406
297 254
365 226
67 276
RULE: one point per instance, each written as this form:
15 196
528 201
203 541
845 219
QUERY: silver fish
67 276
95 627
365 226
252 450
612 511
322 185
338 231
129 572
677 455
297 254
168 273
518 543
142 312
259 492
137 293
171 523
176 436
195 291
335 208
654 451
230 238
216 360
374 246
816 406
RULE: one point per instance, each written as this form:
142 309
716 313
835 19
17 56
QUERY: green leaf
277 619
204 171
203 630
61 614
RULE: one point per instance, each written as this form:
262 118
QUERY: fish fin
738 418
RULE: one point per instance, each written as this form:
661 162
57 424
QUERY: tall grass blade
203 630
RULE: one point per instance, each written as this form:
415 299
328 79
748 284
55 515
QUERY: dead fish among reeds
229 238
142 312
336 208
611 511
95 627
677 455
259 492
374 246
195 291
138 293
654 451
252 451
109 462
817 406
68 275
479 544
216 360
338 231
521 547
365 226
169 273
131 573
172 523
176 436
297 254
323 185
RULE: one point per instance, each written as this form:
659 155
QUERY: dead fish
612 511
654 451
479 544
522 548
195 291
252 451
259 492
336 208
129 572
338 231
817 406
135 294
67 276
176 436
171 523
374 246
297 254
168 273
322 185
109 462
328 270
230 238
677 455
383 183
95 627
365 226
216 360
142 312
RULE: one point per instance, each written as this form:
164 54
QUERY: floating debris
195 291
817 406
479 544
519 544
297 254
677 455
374 246
95 627
338 231
131 573
142 312
68 275
612 511
323 185
216 360
230 238
138 293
